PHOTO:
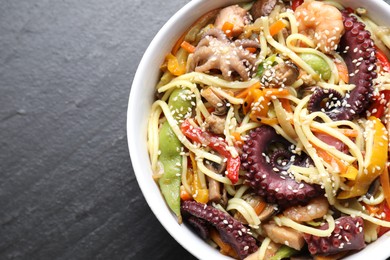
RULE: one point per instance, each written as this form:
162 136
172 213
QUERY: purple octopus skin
267 169
199 225
347 235
358 52
231 230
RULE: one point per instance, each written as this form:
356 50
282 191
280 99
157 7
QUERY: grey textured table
67 188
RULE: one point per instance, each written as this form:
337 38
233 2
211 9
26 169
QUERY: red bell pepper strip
196 134
296 3
382 59
386 210
378 105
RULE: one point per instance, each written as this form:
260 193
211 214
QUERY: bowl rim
185 237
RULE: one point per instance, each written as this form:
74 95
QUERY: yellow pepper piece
375 159
173 65
350 173
199 194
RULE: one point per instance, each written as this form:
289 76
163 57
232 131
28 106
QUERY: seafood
322 23
216 51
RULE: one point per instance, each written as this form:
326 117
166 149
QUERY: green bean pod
170 148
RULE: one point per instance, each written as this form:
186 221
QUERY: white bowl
142 97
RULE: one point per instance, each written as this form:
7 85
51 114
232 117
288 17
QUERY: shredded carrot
286 104
260 207
177 45
251 49
237 136
335 162
188 46
276 92
343 71
276 27
345 131
385 182
245 92
227 27
184 195
374 209
265 120
225 248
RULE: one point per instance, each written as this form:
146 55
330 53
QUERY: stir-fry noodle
269 136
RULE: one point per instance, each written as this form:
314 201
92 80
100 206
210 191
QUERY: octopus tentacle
216 51
358 51
231 230
199 225
319 95
347 235
273 183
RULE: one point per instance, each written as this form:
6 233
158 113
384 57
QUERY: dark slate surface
67 188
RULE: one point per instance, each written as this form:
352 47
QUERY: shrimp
321 22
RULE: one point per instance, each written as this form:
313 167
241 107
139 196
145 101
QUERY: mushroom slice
219 103
283 74
215 124
284 235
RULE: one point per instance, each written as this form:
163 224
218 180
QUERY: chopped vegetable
296 3
196 134
170 148
245 92
227 28
386 211
382 59
385 183
375 159
277 27
270 61
188 47
343 71
174 66
171 159
184 195
284 252
318 64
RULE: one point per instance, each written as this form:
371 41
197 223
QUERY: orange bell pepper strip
246 91
277 27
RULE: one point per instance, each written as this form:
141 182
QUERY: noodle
238 85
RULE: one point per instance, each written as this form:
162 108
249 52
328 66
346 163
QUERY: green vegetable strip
170 148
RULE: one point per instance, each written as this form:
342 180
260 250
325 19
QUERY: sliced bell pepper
196 134
382 59
375 159
379 102
386 210
174 66
296 3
